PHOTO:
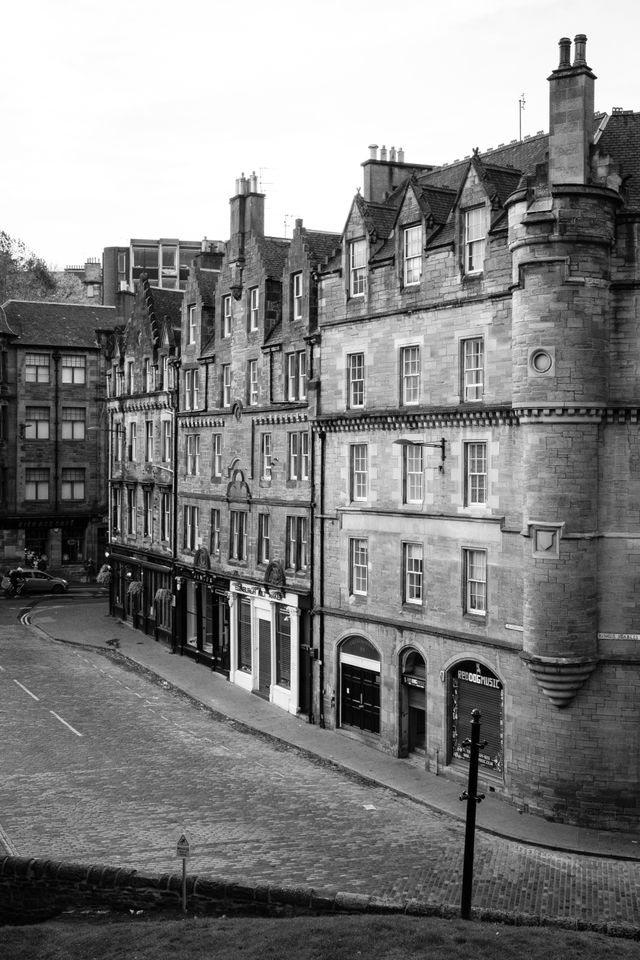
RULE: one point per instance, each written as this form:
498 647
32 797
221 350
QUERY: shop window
244 634
473 686
283 647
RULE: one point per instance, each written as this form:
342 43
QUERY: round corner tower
561 233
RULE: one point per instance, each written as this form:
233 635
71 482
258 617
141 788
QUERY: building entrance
360 685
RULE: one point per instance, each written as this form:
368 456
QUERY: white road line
65 723
22 687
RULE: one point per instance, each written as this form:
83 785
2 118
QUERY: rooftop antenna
521 102
287 218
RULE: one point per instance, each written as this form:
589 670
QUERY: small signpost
183 852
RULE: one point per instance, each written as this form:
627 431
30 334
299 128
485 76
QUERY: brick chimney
571 109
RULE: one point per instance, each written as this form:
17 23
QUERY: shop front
203 617
474 686
140 591
269 644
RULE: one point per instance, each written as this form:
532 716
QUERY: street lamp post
472 800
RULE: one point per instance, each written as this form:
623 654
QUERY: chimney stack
571 108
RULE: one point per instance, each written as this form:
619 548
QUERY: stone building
141 404
244 470
476 449
53 477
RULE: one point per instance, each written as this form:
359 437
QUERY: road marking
22 687
73 730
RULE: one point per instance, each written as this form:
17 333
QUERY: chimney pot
392 154
299 223
400 155
565 53
383 153
580 54
253 183
373 151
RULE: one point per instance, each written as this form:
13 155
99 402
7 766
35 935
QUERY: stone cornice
414 419
500 415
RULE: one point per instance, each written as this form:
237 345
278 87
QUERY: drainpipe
174 511
56 438
322 437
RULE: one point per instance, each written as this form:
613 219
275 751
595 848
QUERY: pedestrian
91 571
42 563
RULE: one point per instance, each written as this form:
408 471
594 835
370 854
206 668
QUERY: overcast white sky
124 118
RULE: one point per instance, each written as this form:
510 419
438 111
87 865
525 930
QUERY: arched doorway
472 686
359 685
413 702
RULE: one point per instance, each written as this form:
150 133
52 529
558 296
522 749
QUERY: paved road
99 764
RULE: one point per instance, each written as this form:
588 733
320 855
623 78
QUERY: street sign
183 847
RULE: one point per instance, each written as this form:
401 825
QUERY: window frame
355 380
33 421
475 239
475 586
191 323
413 577
192 454
148 441
252 384
254 309
75 363
412 260
165 516
358 566
358 472
227 315
238 529
410 375
216 455
190 527
41 484
266 457
264 538
296 295
476 481
73 481
37 362
357 252
472 369
214 532
297 543
411 485
226 386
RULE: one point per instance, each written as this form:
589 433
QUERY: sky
125 118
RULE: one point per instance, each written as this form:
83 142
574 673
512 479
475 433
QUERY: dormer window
357 267
412 259
474 239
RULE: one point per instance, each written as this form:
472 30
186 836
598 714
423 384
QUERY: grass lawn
305 938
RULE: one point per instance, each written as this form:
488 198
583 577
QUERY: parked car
33 581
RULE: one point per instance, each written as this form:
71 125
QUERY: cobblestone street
109 767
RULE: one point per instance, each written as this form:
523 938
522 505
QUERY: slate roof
621 139
320 245
273 251
73 325
165 311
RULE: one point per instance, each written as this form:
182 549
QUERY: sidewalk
94 627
